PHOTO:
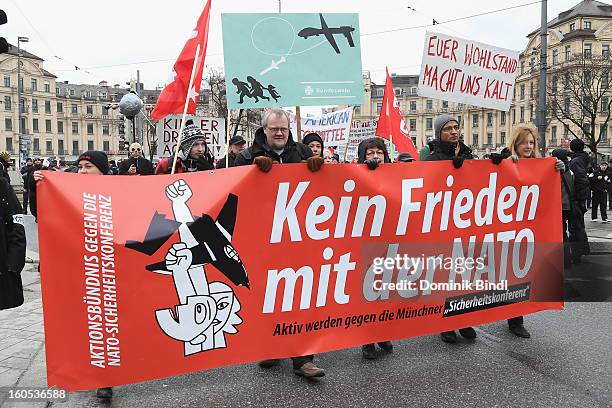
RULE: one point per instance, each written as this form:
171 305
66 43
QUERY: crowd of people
583 185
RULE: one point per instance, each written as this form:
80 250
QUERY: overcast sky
109 40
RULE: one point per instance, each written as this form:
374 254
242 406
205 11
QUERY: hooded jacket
294 152
12 247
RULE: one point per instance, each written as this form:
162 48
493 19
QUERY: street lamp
21 150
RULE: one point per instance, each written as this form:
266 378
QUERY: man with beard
136 164
193 154
236 145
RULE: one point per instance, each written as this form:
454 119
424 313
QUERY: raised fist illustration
179 191
179 257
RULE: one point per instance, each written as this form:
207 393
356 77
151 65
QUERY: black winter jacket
579 165
12 247
143 166
446 151
294 152
599 185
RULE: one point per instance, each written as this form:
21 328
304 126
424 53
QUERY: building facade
585 28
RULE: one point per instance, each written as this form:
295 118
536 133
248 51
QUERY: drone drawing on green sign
284 60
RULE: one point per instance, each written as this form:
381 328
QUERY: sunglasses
135 150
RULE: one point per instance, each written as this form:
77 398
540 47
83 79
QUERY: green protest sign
292 59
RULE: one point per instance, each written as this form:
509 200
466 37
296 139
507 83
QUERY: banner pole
348 137
298 124
180 134
227 138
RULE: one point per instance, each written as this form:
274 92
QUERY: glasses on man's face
451 128
278 129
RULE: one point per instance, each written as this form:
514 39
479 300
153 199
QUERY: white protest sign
168 128
333 127
464 71
360 131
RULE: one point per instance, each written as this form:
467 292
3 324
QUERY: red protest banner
164 275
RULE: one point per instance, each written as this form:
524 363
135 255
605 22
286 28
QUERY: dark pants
515 321
599 200
579 241
300 361
25 201
610 199
588 199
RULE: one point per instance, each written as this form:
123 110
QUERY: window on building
48 125
605 50
21 84
522 119
531 90
8 124
357 110
587 50
48 107
490 139
89 109
74 108
75 148
49 146
555 54
47 87
522 67
553 135
105 129
489 119
502 118
603 133
34 125
565 131
105 110
378 107
9 144
604 80
531 116
413 90
554 84
412 105
428 104
7 81
586 24
502 138
60 127
60 107
35 105
474 140
90 145
75 128
106 146
428 123
604 104
57 90
398 91
568 52
34 84
475 120
22 125
103 94
522 92
444 104
380 91
60 147
513 116
7 103
532 65
90 128
566 105
36 145
572 27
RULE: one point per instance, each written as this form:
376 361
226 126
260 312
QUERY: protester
570 208
335 159
404 158
92 162
448 146
427 149
372 152
315 142
328 156
31 182
274 143
112 165
4 167
523 144
193 155
610 189
12 247
580 164
236 145
600 184
136 164
25 174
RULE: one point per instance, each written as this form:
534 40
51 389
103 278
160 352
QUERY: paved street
567 361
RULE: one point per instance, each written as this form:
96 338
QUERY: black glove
496 158
372 164
458 161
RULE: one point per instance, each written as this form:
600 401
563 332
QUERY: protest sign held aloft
333 127
167 130
464 71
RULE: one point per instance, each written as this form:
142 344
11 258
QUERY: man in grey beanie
448 145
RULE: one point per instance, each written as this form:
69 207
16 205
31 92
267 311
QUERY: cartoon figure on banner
206 310
254 89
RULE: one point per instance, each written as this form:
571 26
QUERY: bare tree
579 96
214 93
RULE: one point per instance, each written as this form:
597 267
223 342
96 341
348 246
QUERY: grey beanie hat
440 122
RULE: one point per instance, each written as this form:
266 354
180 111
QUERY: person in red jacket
194 154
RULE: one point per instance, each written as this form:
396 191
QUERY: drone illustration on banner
329 33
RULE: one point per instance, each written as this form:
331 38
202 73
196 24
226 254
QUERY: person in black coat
600 183
12 247
236 145
136 164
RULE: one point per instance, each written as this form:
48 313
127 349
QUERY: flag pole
348 137
180 134
389 128
227 138
298 124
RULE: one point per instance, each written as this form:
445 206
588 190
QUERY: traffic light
3 44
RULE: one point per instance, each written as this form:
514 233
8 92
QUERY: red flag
391 122
172 98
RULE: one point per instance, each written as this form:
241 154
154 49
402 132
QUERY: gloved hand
372 163
314 163
514 158
496 158
559 165
263 163
458 161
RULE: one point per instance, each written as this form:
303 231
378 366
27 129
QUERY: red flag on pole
391 122
172 98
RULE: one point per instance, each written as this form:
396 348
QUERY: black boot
386 346
368 351
449 336
105 393
468 333
519 330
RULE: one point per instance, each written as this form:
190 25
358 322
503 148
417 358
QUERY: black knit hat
314 137
191 135
97 158
576 145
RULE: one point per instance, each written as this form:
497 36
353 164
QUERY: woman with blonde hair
523 144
